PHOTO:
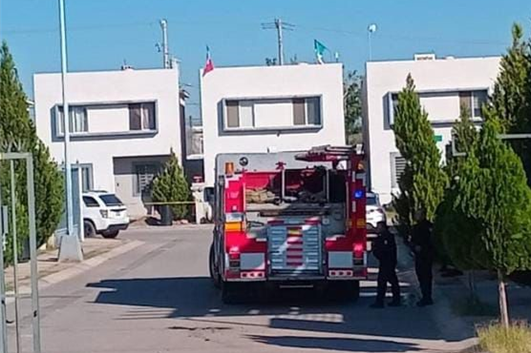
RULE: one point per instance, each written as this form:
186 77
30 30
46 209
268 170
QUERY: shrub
171 186
495 338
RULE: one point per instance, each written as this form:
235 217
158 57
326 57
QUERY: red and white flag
209 65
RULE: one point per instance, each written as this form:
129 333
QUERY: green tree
492 192
423 182
353 106
171 186
457 235
511 96
17 134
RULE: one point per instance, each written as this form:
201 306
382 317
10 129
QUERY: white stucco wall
271 82
159 85
451 74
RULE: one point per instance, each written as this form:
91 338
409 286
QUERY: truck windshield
111 200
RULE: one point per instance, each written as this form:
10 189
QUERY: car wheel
110 235
89 228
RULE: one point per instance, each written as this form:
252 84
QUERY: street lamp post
371 29
70 246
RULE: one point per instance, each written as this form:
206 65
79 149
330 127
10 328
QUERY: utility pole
279 25
70 248
165 50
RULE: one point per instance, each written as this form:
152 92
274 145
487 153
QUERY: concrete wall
93 88
443 75
325 81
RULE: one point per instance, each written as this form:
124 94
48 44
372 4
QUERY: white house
124 124
270 108
443 86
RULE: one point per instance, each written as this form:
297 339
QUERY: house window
479 98
78 119
144 175
392 104
90 202
307 111
473 101
273 113
87 182
398 165
142 116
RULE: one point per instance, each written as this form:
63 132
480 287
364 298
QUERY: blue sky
104 33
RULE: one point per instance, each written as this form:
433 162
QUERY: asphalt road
158 298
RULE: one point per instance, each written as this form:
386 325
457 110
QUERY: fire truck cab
290 219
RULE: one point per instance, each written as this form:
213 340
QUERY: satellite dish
372 28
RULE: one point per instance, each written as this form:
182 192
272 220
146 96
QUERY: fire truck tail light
252 274
359 249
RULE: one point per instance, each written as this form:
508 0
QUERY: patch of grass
496 339
474 307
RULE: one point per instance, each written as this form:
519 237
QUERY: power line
270 25
78 28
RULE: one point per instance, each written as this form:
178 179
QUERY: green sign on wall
437 138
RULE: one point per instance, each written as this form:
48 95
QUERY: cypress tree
423 181
511 98
17 134
492 191
171 186
457 234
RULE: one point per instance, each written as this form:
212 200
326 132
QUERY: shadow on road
194 298
336 344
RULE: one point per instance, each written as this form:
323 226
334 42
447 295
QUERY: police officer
422 244
384 249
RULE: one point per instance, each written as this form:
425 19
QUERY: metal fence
10 228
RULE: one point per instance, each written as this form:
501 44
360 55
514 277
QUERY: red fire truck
290 220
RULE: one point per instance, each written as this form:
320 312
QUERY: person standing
384 249
424 250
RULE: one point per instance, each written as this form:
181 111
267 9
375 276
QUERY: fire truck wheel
343 291
214 275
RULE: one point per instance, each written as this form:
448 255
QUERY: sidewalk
456 288
95 250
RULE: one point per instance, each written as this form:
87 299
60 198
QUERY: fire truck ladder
328 153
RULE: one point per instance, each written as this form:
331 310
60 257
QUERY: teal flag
320 48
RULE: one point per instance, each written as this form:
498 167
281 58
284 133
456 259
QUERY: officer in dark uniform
384 249
422 244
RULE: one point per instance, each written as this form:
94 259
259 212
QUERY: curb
78 268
